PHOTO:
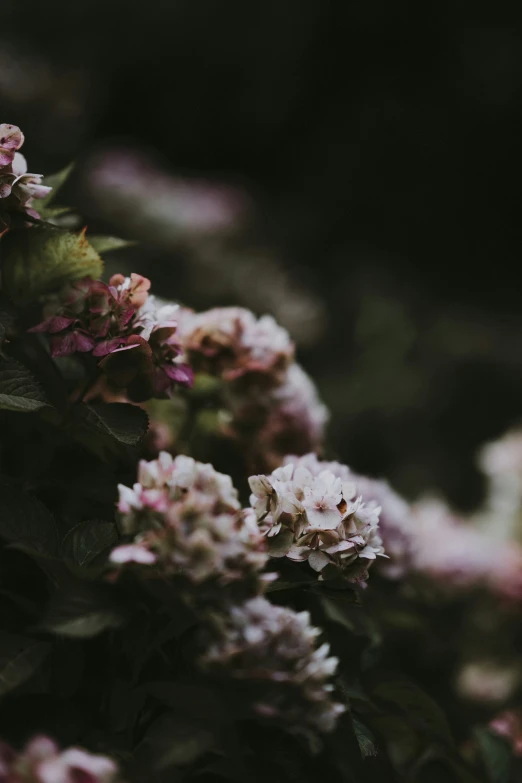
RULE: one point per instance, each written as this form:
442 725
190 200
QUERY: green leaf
54 181
43 259
279 545
125 423
20 657
105 244
86 540
496 755
416 706
19 389
26 522
174 740
365 738
83 611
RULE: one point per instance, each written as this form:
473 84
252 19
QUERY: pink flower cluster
18 188
232 343
272 405
186 520
41 761
457 553
274 648
120 324
309 511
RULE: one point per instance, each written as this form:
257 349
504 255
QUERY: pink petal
107 346
181 373
132 553
11 137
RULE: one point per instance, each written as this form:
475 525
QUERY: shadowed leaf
19 389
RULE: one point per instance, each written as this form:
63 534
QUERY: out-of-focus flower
134 337
18 188
288 418
186 519
501 461
273 649
133 190
41 761
395 524
232 343
509 724
487 681
314 515
460 554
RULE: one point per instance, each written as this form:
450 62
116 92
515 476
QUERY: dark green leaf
496 755
26 522
87 540
82 611
19 389
125 423
365 738
54 181
279 545
20 657
104 244
176 741
43 259
416 706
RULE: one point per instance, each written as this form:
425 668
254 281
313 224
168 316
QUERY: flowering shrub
151 613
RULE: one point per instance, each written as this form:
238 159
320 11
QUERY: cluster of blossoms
461 554
130 332
232 343
18 188
309 510
41 761
273 650
186 519
272 405
286 418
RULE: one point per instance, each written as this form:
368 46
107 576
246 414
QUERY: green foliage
496 755
20 657
87 540
82 610
19 389
25 522
125 423
42 260
106 244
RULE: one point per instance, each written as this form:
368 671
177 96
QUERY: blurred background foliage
353 168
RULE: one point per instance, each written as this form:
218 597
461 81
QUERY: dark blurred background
365 160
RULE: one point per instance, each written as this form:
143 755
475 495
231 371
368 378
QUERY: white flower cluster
275 648
186 519
310 511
